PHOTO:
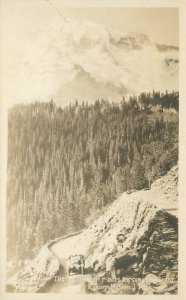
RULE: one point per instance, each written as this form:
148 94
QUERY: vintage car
76 265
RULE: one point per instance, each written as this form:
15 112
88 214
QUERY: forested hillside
66 164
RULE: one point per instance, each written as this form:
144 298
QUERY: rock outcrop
154 268
36 274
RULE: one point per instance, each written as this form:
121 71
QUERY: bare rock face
162 239
150 264
162 256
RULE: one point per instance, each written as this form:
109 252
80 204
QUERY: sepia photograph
92 100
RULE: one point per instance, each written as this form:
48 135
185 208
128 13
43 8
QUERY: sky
160 24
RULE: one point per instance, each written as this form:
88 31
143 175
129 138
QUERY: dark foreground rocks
150 266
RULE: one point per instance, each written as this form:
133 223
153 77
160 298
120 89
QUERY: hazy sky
160 24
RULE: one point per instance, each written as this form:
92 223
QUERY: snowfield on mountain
73 62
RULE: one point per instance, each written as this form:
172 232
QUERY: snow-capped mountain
86 61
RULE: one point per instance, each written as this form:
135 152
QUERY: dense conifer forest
65 165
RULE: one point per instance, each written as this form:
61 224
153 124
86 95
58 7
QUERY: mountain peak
106 57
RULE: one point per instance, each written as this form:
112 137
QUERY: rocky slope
150 247
36 274
164 192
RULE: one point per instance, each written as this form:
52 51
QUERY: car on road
76 265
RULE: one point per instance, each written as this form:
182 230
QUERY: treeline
66 164
164 100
